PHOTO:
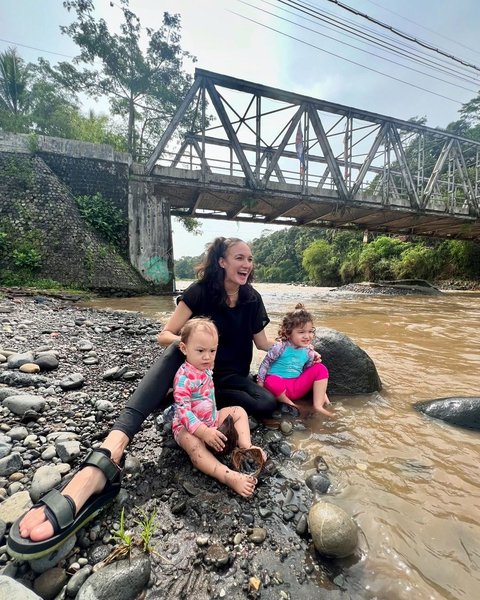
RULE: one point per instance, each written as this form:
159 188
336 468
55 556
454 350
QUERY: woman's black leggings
151 393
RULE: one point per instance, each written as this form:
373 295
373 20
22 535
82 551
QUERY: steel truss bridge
232 152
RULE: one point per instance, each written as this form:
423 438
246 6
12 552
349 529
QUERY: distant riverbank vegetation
329 257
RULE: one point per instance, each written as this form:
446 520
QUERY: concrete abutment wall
73 252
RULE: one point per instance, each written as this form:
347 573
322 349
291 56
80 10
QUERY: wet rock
217 555
49 584
257 535
333 531
122 580
351 370
318 482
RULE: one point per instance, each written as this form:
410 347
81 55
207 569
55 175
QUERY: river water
410 482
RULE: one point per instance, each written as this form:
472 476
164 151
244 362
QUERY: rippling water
410 482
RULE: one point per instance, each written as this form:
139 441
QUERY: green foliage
141 70
148 525
416 262
320 263
185 267
191 224
102 216
20 170
122 535
375 260
27 258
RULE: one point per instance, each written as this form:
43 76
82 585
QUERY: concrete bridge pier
150 234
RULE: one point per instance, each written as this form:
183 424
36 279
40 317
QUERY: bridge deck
214 196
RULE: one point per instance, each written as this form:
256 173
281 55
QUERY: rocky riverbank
208 542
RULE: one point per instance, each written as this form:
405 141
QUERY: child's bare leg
206 462
242 426
84 484
320 398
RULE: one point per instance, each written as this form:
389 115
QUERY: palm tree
14 77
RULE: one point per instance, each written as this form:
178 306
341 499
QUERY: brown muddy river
411 483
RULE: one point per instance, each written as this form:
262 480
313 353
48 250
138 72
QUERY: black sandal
61 511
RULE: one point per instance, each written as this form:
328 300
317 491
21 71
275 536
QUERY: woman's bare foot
243 484
86 482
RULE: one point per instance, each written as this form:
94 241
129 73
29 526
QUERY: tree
320 263
14 77
145 88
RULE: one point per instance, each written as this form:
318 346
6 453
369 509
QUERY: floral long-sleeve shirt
285 360
194 399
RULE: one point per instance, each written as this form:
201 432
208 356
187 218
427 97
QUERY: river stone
333 531
15 506
45 478
8 391
72 382
47 362
49 584
14 590
318 482
122 580
29 368
40 565
19 404
67 450
17 360
77 580
11 463
351 370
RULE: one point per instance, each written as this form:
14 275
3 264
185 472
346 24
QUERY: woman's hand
214 438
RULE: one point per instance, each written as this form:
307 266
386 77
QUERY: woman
222 293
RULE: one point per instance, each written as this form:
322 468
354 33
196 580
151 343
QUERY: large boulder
334 532
351 370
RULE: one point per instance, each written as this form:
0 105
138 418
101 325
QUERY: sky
268 42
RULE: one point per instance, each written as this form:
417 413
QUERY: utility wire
423 27
33 48
367 51
403 35
383 46
373 36
418 87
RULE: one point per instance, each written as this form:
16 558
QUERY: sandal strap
59 509
100 458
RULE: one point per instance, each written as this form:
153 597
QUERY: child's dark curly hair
293 319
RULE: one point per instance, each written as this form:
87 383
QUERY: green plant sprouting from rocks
105 218
147 525
122 534
20 254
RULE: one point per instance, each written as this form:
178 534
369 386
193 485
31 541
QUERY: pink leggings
296 387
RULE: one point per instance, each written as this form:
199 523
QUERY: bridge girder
237 156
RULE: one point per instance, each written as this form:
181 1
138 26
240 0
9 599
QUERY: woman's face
237 264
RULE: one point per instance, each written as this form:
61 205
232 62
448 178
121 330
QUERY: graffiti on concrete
156 269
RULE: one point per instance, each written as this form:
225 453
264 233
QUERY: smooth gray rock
40 565
351 370
20 403
456 410
333 531
72 382
45 478
46 362
13 590
50 583
17 360
15 506
122 580
67 450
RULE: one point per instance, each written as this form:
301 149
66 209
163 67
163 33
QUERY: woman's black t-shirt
236 325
